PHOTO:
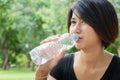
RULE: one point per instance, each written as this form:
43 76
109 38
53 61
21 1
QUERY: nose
77 28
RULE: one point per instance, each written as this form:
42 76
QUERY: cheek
92 35
89 33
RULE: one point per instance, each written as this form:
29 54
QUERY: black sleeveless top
64 69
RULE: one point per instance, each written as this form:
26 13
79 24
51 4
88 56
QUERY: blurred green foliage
25 23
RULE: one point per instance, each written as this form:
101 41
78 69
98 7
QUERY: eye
73 22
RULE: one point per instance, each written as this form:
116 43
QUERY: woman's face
87 35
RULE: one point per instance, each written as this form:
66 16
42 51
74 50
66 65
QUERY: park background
24 24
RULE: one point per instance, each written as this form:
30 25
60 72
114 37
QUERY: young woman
97 25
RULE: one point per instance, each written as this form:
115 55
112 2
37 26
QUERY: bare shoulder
114 58
109 55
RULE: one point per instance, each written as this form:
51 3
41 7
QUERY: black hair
100 15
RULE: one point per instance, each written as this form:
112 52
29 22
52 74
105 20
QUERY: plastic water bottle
44 52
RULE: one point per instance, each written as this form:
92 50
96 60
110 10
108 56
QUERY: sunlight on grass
17 74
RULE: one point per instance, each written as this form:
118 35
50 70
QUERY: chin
78 47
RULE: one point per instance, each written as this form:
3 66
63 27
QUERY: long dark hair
100 15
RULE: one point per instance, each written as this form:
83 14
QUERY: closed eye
73 22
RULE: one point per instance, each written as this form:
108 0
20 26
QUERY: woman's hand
51 39
43 70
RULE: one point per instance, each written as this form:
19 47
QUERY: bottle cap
75 36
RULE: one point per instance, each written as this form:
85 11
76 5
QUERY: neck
91 58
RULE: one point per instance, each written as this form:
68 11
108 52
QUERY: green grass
17 74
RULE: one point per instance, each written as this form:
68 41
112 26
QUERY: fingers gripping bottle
45 52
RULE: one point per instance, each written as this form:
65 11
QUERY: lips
79 39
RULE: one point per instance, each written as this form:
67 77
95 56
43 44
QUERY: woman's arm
41 73
50 78
43 70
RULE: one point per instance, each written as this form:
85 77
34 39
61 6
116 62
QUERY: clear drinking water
44 52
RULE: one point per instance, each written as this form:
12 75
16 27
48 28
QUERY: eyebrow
73 18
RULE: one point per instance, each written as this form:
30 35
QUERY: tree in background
8 35
24 23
